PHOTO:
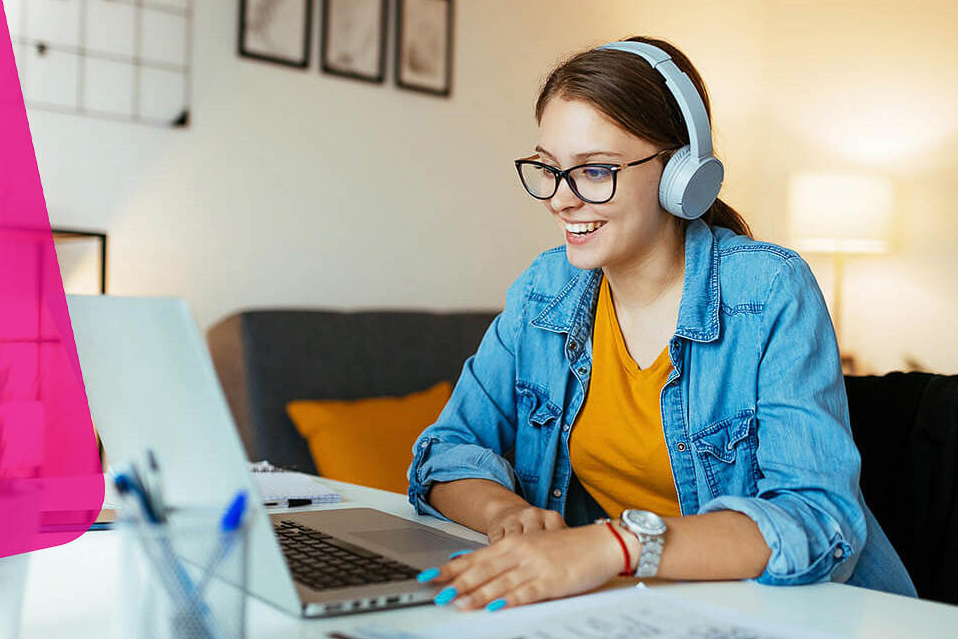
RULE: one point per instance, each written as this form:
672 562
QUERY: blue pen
156 485
129 484
137 501
229 525
178 584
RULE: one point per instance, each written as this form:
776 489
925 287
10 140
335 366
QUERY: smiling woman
661 367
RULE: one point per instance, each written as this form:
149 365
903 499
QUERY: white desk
72 590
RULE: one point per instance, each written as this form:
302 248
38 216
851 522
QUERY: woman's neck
656 274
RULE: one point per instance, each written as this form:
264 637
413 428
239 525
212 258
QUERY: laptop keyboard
322 561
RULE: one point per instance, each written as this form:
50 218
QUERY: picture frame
424 45
276 31
74 267
353 39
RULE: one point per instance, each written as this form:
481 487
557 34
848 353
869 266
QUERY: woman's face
572 132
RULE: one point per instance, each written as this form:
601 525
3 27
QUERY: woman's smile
578 233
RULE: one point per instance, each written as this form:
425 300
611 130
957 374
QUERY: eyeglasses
593 183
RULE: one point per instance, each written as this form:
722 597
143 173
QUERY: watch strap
650 555
651 549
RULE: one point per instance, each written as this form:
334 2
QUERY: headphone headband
692 178
688 98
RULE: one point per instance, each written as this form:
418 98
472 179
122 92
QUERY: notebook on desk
281 487
150 383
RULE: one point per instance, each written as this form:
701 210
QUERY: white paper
279 485
627 613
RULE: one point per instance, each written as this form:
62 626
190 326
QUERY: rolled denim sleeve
478 424
808 505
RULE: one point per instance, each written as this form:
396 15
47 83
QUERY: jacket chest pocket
727 451
537 419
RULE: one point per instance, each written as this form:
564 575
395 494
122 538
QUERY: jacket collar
698 311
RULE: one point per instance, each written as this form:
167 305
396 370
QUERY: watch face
645 521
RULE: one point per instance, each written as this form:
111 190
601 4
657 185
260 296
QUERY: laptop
150 383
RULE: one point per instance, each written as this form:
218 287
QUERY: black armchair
906 427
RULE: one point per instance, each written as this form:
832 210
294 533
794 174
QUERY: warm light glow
890 123
840 213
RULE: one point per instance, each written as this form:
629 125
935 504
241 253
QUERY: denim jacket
754 411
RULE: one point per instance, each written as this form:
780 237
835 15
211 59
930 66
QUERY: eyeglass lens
593 183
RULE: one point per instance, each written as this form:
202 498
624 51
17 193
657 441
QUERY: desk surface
72 591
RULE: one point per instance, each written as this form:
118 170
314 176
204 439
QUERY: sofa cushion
367 441
268 358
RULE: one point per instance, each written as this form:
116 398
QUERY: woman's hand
518 519
521 569
490 507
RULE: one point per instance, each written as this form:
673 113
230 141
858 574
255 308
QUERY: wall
871 87
300 189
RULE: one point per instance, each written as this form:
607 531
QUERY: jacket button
838 553
573 346
680 447
583 370
423 443
566 428
557 493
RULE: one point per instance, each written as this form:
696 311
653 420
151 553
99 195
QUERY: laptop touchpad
412 540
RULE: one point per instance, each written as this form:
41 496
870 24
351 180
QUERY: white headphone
692 178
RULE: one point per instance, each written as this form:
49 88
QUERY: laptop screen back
150 383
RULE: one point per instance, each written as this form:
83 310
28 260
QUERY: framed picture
424 45
353 42
276 31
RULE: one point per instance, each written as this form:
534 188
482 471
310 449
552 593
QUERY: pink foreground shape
51 483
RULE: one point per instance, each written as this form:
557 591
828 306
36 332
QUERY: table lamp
840 214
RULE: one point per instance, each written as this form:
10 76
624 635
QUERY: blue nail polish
427 575
445 595
496 605
458 553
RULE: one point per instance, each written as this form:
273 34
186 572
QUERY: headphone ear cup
689 186
670 196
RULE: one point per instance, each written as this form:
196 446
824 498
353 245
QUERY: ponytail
721 214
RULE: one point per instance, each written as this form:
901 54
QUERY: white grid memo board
127 60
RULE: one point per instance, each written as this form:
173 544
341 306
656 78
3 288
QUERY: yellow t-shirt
617 446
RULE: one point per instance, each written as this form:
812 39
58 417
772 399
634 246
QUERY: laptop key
398 576
318 536
322 562
348 547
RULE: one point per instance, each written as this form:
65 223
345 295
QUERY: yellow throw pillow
367 441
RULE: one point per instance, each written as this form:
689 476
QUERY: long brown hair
628 90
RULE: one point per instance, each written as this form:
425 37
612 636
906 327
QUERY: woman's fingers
553 520
527 592
518 521
457 564
494 589
511 527
520 569
471 575
532 520
527 521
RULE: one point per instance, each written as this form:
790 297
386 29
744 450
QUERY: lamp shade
840 213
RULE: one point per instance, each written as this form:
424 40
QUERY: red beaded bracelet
625 549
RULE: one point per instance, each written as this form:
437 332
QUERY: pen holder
183 579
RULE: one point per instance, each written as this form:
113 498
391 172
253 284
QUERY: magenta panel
51 483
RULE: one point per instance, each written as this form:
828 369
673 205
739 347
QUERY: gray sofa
267 358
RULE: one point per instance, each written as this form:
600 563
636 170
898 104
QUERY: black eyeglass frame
561 174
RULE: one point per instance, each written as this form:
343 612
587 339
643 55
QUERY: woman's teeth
582 229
